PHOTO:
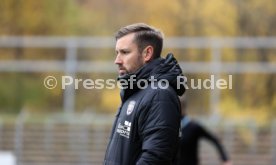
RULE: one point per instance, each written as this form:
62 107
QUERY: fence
82 139
71 65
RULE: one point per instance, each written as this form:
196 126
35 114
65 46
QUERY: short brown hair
145 35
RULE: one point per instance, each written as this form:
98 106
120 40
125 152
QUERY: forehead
125 41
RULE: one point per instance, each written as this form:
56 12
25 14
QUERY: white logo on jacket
130 107
124 130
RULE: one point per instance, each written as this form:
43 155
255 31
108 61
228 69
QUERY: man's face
128 57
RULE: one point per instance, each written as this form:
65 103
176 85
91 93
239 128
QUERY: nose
118 60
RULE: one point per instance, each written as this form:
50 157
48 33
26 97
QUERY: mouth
122 71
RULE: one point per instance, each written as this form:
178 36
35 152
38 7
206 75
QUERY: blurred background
40 126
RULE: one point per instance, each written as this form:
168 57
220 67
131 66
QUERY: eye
125 52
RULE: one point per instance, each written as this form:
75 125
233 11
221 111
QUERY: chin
121 74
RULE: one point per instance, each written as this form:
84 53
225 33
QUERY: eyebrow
122 50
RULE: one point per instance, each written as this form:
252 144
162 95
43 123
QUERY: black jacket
146 128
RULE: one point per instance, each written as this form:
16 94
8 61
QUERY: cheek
137 64
133 63
130 64
139 61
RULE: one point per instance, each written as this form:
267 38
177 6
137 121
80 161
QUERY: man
146 128
191 133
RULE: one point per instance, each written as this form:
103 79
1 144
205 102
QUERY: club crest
130 107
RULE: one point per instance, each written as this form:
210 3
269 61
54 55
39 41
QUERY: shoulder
160 92
159 101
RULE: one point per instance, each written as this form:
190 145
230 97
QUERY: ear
148 53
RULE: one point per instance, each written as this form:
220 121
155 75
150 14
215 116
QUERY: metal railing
82 139
70 66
